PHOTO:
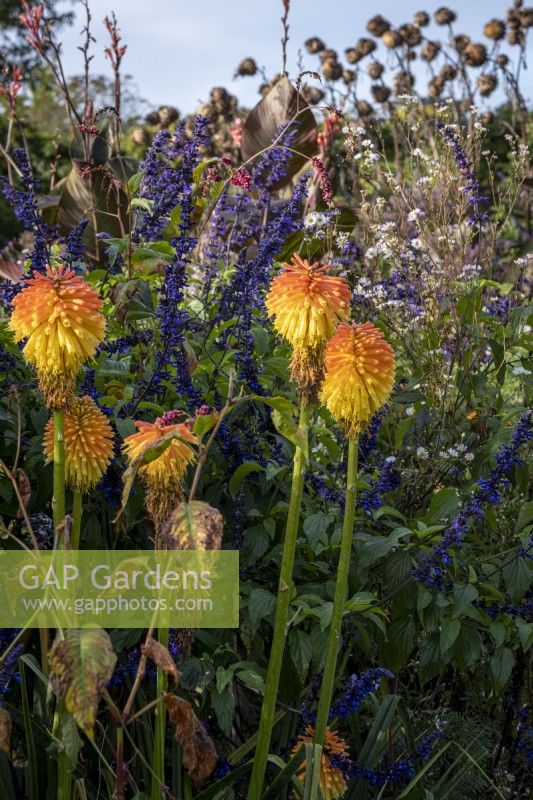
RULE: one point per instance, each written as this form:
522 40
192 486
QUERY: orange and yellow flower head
59 314
306 305
164 474
88 443
331 781
359 375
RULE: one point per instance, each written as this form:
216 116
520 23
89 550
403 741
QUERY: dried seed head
486 84
410 34
526 17
377 25
495 29
329 53
380 93
515 37
152 118
392 39
444 16
140 137
314 45
460 41
403 82
513 19
348 76
193 526
167 115
364 108
331 69
502 60
475 54
352 55
410 55
421 19
487 118
365 46
247 67
430 51
312 95
447 73
435 87
375 70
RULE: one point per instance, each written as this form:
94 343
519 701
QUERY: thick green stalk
282 612
158 761
77 511
343 570
58 502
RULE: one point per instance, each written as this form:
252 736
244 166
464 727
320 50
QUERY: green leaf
525 516
292 432
360 602
224 707
300 648
443 505
517 576
463 596
501 665
449 632
261 604
316 529
400 643
240 474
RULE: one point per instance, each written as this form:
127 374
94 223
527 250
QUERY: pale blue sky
178 50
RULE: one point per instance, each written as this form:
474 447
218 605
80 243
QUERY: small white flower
414 214
422 453
469 457
390 459
409 411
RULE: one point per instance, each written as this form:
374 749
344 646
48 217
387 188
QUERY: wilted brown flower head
246 67
329 53
140 137
314 45
364 108
411 55
487 118
377 25
392 39
502 60
526 17
380 93
486 84
167 115
403 82
352 55
365 46
460 41
515 37
444 16
410 34
331 69
447 73
375 70
475 54
193 526
348 76
430 51
421 19
152 118
435 87
494 29
312 94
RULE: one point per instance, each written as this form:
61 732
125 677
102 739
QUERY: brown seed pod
430 51
328 54
348 76
526 17
486 84
264 89
421 19
140 136
460 42
365 46
447 73
380 93
392 39
352 55
375 70
444 16
502 60
513 19
364 108
410 35
435 87
515 37
487 118
475 54
167 115
377 25
403 82
312 95
247 67
152 118
411 55
314 45
494 29
331 69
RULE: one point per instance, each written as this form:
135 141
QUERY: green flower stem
343 570
158 761
77 512
282 613
58 503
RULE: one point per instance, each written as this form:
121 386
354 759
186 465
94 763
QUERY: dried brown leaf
161 656
11 271
199 754
279 106
5 731
81 665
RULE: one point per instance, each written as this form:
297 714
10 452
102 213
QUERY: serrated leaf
501 665
81 666
449 632
260 605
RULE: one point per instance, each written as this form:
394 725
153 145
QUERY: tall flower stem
158 761
77 511
58 503
343 570
282 613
